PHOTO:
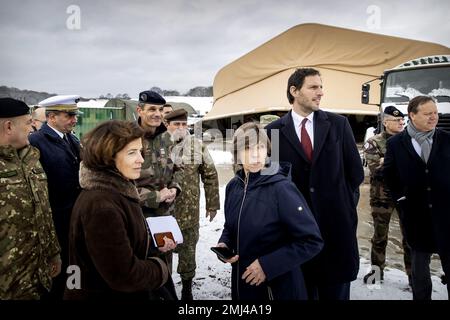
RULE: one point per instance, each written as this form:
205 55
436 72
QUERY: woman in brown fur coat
109 238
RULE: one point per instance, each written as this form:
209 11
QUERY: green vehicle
98 111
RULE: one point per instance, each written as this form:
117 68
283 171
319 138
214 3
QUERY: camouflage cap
268 118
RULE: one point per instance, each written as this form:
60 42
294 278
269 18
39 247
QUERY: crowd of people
290 210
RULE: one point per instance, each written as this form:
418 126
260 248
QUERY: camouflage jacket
374 151
158 171
197 163
27 235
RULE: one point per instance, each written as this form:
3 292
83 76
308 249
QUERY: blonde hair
248 135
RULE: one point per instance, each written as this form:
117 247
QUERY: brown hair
415 103
249 135
101 144
297 78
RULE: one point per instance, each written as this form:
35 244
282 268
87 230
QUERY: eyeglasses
178 124
396 120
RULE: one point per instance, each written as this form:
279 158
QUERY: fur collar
108 181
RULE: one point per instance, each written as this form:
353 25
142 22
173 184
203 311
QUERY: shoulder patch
370 147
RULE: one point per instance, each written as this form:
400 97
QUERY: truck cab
428 76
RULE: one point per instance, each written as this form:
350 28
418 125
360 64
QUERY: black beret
176 115
393 111
10 108
151 97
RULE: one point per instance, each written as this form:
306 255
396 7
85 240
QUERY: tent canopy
256 82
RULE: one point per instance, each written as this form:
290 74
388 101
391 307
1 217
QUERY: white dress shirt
309 125
57 131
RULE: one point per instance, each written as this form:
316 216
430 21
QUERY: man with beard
193 155
327 169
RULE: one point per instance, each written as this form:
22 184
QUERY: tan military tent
346 58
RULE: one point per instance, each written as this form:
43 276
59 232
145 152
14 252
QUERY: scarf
425 140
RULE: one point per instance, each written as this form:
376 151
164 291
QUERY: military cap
176 115
151 97
268 118
393 111
10 108
63 103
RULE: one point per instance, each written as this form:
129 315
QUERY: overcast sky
129 46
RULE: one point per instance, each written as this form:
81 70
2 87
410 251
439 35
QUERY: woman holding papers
109 238
268 224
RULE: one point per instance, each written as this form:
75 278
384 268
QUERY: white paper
165 224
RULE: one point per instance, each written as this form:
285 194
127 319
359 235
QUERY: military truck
422 76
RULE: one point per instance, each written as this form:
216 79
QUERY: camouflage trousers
25 290
186 253
381 217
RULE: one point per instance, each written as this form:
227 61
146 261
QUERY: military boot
371 275
186 292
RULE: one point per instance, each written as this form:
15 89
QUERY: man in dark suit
60 158
417 172
327 169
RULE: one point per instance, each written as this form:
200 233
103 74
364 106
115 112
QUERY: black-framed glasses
396 120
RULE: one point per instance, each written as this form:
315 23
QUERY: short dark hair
101 144
248 135
297 78
415 103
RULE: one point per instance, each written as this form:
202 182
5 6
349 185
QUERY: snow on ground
200 104
212 280
221 157
394 287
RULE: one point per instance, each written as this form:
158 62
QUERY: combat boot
371 275
186 292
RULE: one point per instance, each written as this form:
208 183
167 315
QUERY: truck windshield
403 85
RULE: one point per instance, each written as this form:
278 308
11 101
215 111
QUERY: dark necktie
66 141
306 141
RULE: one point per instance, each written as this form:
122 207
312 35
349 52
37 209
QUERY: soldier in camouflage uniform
197 163
382 204
29 249
160 180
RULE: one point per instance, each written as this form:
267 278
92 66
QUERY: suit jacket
61 163
425 213
330 185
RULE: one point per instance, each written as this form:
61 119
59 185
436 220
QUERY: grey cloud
133 45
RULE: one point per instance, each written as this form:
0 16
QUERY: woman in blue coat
267 224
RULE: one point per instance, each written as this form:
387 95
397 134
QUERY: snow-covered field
212 280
